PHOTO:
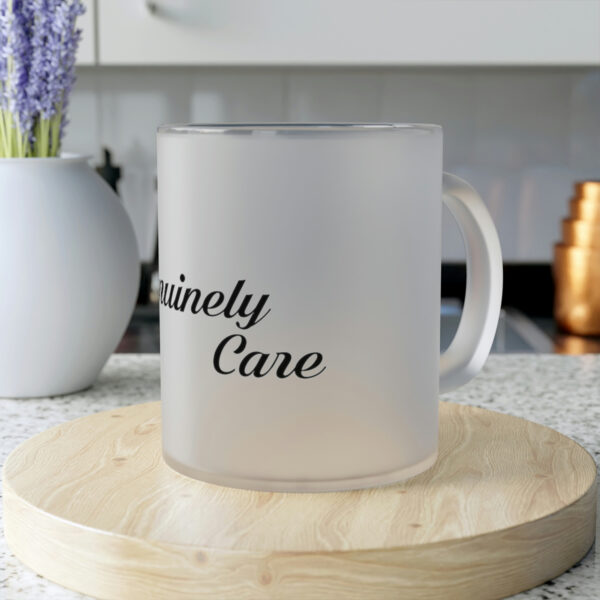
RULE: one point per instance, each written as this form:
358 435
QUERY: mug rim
292 127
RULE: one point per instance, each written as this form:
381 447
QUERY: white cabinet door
349 32
86 53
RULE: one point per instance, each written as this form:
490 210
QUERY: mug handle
473 340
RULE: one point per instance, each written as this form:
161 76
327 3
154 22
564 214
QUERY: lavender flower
38 45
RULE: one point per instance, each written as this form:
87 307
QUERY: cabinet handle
188 12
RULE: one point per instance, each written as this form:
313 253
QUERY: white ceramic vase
69 275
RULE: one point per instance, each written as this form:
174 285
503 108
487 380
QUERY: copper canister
577 300
577 232
586 209
577 264
587 189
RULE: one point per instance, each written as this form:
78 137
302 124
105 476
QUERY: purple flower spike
38 46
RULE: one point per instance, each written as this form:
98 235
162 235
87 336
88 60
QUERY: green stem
44 129
11 134
55 137
19 141
4 150
36 134
7 127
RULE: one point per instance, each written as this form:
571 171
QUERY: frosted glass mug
300 301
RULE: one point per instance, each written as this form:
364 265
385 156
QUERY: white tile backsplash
431 96
83 129
236 95
521 136
330 95
584 122
520 117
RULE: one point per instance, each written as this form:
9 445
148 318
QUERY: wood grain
91 505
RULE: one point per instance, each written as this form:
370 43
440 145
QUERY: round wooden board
91 505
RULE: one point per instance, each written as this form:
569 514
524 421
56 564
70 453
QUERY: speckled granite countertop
562 392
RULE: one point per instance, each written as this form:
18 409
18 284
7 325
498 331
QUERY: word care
231 355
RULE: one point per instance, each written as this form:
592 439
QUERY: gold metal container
577 296
587 189
567 343
586 209
576 232
577 264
